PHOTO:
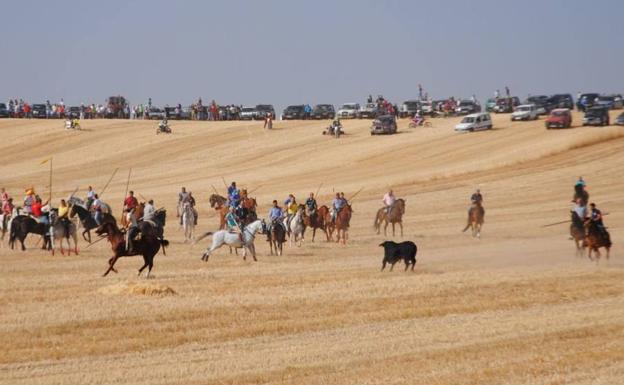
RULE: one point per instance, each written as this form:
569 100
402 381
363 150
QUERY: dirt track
516 307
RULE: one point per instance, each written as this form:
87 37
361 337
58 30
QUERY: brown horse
577 232
148 246
218 203
276 237
138 213
595 239
342 224
395 216
475 219
321 219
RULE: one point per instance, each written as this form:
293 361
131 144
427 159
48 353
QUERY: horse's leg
401 226
383 264
244 253
313 233
84 236
252 248
149 267
589 252
145 263
393 224
111 264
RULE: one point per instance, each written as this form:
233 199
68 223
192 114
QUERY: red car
559 118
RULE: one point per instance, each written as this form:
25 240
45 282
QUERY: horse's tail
164 243
203 236
377 222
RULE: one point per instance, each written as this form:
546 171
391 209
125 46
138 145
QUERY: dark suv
263 109
4 111
586 101
323 111
294 112
596 116
542 102
562 101
39 111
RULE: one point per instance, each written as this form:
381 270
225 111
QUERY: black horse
582 194
23 225
87 221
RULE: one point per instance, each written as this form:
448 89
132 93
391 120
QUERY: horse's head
213 200
105 228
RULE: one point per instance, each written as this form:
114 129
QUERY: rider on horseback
232 223
337 204
233 195
148 211
389 200
96 207
38 212
63 215
596 218
311 205
476 198
579 188
291 208
580 209
275 215
90 198
130 204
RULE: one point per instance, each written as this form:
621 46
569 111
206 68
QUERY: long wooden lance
356 193
127 186
107 183
318 190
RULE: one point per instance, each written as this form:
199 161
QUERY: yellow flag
45 161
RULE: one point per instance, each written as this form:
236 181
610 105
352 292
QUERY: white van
475 122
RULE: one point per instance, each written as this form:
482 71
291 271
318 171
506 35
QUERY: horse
276 237
320 219
475 219
224 237
138 213
106 209
188 221
595 239
249 203
342 224
297 226
218 203
148 246
394 216
577 232
87 221
22 225
62 231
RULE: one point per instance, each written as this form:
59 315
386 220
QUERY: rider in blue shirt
337 203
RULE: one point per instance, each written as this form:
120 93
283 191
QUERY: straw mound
138 288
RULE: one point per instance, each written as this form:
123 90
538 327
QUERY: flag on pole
45 161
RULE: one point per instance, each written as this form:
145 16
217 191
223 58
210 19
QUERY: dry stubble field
516 307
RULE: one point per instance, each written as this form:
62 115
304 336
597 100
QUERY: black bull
393 252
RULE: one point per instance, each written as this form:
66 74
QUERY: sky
295 52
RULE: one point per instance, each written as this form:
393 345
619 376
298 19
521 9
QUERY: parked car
562 101
506 105
39 111
409 108
323 111
263 109
368 111
475 122
426 107
248 113
155 113
385 124
4 111
467 107
620 119
349 110
490 104
524 112
596 116
73 112
294 112
586 101
542 104
612 102
559 118
117 107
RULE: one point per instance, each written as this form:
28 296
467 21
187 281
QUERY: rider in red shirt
130 203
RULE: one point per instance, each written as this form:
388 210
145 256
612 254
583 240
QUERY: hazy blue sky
289 52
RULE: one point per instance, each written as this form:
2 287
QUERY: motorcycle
335 130
163 129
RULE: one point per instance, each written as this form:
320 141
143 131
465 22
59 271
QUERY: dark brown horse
395 216
276 237
321 219
138 213
343 218
148 246
476 214
595 239
577 232
87 221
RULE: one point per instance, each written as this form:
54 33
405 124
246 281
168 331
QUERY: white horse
224 237
188 222
59 232
296 227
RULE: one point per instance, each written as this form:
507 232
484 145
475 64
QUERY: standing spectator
496 94
420 92
82 111
507 92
